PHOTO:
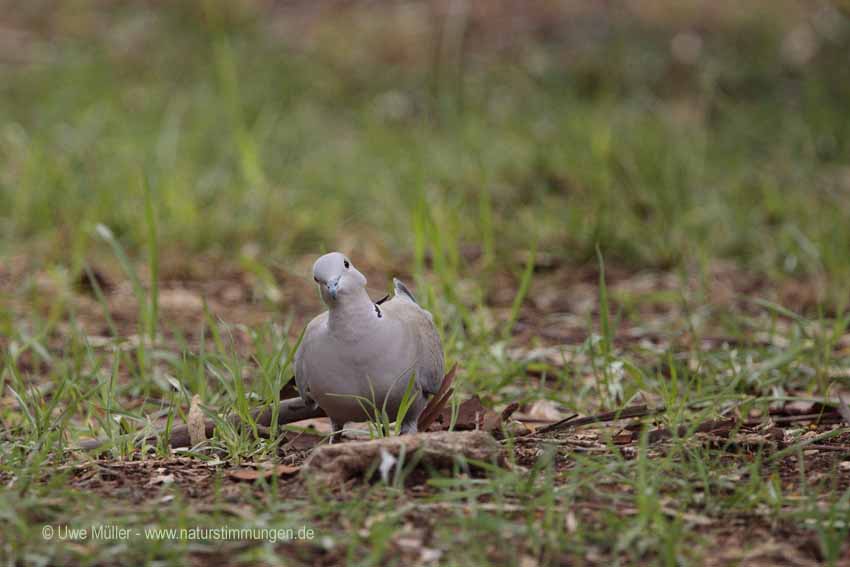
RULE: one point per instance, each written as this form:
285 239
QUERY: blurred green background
668 133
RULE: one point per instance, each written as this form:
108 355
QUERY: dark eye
315 279
346 264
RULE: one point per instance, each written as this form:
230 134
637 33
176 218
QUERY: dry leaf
179 299
250 474
843 407
509 410
308 438
799 407
196 422
471 415
623 438
161 478
545 410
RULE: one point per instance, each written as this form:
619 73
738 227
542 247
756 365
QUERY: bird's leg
336 427
410 423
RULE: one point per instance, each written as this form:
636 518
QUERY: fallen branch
340 462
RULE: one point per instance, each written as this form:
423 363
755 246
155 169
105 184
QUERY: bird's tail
403 291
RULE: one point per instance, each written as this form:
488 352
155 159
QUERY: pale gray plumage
357 349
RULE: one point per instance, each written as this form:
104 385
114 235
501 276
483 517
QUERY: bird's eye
346 264
315 279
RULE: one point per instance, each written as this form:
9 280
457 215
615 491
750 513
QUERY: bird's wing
419 326
402 290
302 371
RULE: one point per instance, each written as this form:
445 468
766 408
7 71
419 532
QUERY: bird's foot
336 436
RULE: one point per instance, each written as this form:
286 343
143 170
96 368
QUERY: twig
791 449
822 417
819 447
625 413
644 411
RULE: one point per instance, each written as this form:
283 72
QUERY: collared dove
359 356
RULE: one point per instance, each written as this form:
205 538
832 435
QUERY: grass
193 143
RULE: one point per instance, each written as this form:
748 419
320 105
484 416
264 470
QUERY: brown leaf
490 421
471 415
250 474
303 441
509 410
438 401
623 438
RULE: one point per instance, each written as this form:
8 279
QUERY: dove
359 356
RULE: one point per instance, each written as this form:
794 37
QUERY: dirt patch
824 466
160 479
755 540
561 309
648 305
149 479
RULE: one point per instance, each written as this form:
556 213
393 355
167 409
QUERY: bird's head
336 277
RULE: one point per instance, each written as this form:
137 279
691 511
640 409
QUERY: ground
629 222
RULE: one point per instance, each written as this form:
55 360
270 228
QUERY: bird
356 359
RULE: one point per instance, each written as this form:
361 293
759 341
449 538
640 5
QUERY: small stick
625 413
644 411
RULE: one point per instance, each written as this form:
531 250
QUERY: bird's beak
333 288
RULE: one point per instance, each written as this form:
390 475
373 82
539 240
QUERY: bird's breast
346 375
